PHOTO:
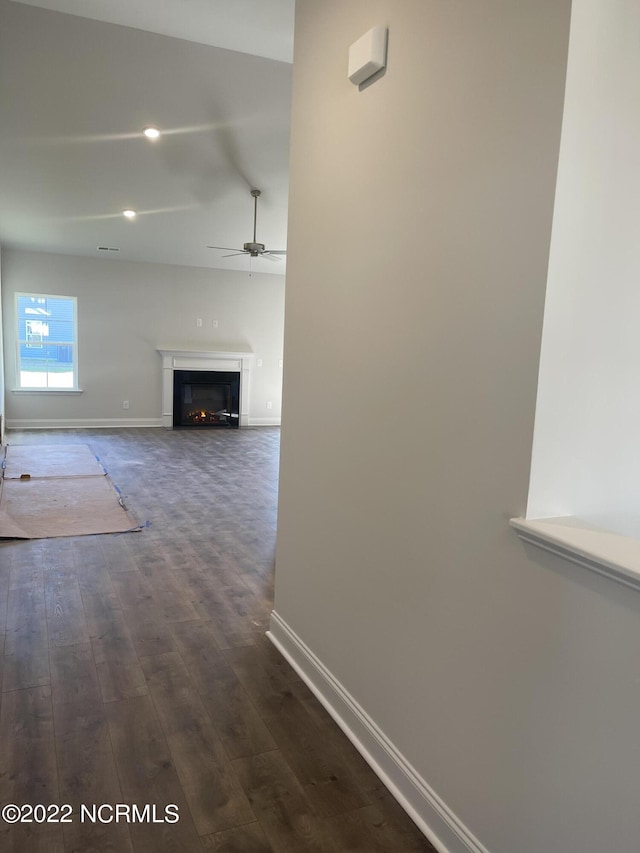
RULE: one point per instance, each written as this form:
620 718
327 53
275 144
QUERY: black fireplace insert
206 398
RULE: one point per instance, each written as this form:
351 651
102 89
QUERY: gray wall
125 311
507 678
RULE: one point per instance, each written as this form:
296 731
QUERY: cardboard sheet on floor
44 460
41 499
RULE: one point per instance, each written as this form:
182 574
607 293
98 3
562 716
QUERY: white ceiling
75 93
261 27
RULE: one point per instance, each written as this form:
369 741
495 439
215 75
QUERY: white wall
586 459
2 391
507 677
125 311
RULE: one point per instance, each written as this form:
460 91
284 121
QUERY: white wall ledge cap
46 390
602 551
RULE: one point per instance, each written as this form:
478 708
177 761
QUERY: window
47 341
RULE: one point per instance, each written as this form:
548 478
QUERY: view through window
47 335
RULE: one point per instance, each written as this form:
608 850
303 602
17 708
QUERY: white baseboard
81 423
435 819
106 423
264 422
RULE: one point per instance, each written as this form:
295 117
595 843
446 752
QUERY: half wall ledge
602 551
193 359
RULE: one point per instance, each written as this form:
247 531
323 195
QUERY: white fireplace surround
172 359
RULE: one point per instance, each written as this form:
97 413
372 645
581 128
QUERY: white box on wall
367 55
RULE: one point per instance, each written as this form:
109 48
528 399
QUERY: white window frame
29 341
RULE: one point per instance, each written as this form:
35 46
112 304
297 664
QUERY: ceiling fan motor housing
254 248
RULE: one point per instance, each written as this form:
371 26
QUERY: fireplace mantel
190 359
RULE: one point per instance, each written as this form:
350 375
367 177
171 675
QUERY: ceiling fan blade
225 248
269 256
235 254
277 251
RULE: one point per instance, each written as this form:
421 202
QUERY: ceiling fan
253 249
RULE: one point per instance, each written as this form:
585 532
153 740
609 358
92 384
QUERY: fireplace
205 362
206 398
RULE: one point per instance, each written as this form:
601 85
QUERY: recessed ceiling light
151 132
130 214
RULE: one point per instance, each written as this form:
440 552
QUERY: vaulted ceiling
76 92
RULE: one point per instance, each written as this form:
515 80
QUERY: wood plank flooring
135 670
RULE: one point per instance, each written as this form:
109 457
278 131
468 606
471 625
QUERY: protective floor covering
50 460
58 491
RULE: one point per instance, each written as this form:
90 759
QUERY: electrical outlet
214 323
199 322
280 363
259 363
269 405
125 404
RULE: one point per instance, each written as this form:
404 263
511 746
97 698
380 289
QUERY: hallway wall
503 677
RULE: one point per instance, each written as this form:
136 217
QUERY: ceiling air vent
107 249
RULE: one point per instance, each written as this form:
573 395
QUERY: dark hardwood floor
135 670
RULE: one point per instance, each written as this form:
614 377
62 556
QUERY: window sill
602 551
46 390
